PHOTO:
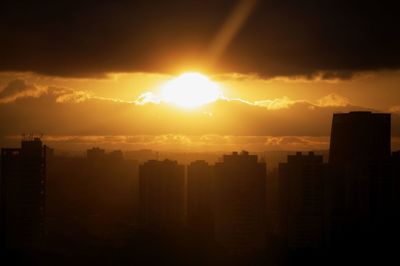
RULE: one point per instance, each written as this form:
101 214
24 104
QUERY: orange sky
373 90
255 114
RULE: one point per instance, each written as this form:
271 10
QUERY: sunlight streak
229 29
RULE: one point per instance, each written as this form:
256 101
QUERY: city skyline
235 210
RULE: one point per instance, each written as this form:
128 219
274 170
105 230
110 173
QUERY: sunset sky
269 74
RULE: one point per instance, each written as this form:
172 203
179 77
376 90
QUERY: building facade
240 203
360 176
301 185
23 179
162 195
200 198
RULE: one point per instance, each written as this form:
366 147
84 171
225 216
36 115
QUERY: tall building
359 137
240 203
301 185
359 163
92 198
162 195
396 182
200 198
23 178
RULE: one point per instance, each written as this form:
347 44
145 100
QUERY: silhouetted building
95 153
23 178
91 198
359 163
396 182
301 185
200 198
162 195
116 155
359 137
240 203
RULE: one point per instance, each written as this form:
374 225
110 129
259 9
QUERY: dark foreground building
200 198
93 198
396 179
359 137
360 174
240 203
162 195
301 185
23 178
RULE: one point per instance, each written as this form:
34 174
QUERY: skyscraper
359 169
240 202
359 137
396 182
162 195
23 179
200 198
301 185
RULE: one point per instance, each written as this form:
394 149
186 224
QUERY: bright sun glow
190 90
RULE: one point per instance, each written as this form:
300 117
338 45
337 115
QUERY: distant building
162 195
200 198
23 178
240 203
116 155
301 185
95 153
359 163
142 155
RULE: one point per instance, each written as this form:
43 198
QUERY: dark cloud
14 87
18 89
332 39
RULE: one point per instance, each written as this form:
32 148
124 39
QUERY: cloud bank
61 111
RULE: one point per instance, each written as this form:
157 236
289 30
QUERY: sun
190 90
